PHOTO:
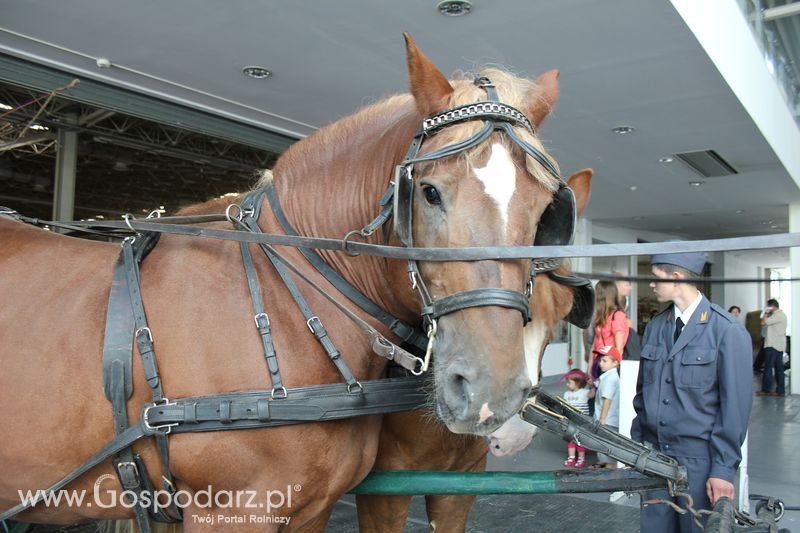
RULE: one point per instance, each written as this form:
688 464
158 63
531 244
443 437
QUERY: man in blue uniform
694 392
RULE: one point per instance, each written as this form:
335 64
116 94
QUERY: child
577 395
606 398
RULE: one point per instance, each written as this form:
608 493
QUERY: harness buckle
310 320
260 315
128 464
146 330
283 393
150 428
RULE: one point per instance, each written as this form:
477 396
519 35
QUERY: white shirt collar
687 313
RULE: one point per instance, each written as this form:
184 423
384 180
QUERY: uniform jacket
693 397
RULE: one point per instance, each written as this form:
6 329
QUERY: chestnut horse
414 440
55 291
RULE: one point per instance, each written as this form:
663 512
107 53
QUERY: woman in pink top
611 322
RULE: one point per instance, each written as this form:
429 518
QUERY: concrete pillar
794 319
583 235
66 167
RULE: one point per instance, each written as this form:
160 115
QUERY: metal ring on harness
345 242
284 393
231 218
127 217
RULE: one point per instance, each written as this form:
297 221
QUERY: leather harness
281 405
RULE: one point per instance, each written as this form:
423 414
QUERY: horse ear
545 97
581 185
429 86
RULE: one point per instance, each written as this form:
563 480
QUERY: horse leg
450 513
378 513
415 441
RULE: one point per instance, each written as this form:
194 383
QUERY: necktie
678 329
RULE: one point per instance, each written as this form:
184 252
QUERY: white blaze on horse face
534 337
499 178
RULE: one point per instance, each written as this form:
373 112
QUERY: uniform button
662 423
668 380
698 358
666 401
666 446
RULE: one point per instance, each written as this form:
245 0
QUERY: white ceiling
627 62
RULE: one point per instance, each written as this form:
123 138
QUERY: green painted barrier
470 483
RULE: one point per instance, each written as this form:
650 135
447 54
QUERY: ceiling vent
707 163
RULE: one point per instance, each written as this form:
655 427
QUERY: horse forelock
512 90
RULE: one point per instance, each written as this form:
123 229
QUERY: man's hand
717 488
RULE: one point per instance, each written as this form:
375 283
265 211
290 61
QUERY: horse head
468 184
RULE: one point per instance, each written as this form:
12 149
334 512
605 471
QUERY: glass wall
776 25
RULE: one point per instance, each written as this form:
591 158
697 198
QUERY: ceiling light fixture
259 73
696 183
39 127
633 187
5 107
623 130
739 211
454 8
665 160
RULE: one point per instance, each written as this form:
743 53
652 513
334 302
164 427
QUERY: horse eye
432 195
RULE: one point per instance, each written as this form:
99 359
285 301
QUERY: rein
179 226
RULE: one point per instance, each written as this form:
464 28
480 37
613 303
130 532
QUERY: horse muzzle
471 401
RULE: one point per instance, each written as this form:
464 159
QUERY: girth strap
478 298
255 409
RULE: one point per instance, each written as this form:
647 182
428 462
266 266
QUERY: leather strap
478 298
483 253
312 321
555 415
408 333
255 409
260 318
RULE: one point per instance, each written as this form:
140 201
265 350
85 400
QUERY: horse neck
331 183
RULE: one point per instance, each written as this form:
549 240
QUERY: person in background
774 322
694 391
577 395
611 322
735 310
606 397
624 289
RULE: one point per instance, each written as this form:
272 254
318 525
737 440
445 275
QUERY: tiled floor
774 470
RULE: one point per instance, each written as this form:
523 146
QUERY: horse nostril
460 390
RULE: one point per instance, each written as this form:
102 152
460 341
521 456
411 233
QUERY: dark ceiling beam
18 72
